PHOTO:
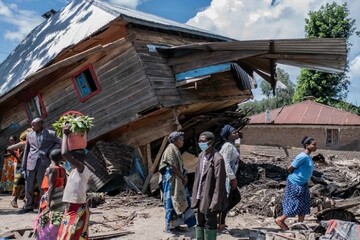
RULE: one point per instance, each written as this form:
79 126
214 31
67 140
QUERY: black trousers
207 221
233 199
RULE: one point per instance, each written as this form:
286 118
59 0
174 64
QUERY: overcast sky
239 19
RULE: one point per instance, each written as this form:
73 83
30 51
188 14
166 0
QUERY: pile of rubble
334 187
262 181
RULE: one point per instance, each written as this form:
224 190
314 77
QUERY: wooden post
154 165
148 156
142 153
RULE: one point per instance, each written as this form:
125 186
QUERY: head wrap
226 131
174 136
306 141
208 135
24 133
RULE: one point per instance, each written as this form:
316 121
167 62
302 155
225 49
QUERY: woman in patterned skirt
296 200
75 222
8 172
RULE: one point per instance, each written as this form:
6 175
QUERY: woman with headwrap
297 195
172 183
231 155
19 180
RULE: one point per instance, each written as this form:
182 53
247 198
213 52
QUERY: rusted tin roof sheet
307 113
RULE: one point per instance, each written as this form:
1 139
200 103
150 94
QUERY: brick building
332 128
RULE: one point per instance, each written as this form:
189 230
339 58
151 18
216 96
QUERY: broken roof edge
200 32
130 19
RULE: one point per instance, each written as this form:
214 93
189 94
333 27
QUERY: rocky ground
262 182
139 215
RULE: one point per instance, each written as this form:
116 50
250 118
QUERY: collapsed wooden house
139 75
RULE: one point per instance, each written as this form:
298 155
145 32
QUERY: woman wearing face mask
231 155
209 194
297 195
173 182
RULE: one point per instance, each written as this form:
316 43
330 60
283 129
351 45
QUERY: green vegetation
78 124
331 21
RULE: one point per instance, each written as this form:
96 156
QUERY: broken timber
154 165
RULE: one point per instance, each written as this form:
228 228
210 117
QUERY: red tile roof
307 113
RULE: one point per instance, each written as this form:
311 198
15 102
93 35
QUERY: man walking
39 143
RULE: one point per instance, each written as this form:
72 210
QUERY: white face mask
203 146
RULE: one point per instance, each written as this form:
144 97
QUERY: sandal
14 204
179 229
281 225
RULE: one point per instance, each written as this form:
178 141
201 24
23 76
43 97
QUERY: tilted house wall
132 81
148 74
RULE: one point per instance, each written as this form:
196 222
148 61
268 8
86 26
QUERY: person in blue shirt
296 200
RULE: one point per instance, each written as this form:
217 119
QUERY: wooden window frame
42 109
96 81
333 142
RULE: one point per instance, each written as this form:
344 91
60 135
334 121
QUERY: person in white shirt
231 155
75 222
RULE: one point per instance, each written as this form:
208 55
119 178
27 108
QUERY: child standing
51 206
75 222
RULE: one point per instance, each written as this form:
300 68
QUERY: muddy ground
144 217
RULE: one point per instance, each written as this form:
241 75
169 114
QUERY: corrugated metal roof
75 22
307 113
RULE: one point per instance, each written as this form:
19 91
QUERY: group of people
215 189
63 212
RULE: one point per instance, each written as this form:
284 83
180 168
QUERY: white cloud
4 10
246 19
127 3
355 68
22 21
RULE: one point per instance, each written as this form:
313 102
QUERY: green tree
283 95
331 21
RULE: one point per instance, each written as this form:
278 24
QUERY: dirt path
146 220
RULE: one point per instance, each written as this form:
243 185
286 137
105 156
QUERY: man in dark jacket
209 194
39 143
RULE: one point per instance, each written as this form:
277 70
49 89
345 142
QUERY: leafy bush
78 124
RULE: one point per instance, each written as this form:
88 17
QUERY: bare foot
281 225
222 227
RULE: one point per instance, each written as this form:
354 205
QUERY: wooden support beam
154 165
142 153
148 156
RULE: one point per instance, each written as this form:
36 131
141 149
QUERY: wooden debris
262 185
154 165
25 233
109 235
95 199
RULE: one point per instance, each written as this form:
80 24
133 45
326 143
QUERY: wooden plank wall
150 128
219 87
126 91
158 71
